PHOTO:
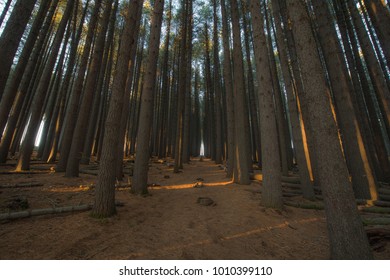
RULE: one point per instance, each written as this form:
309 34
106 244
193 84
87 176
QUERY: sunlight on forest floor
255 231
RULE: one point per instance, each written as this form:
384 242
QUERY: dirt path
169 224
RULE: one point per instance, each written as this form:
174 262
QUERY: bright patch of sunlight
190 186
202 149
39 135
74 189
253 232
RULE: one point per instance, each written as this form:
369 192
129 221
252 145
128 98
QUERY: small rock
206 201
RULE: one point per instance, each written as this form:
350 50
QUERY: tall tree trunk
217 90
10 38
165 88
300 156
181 89
72 168
281 120
376 74
17 75
105 189
350 130
380 17
272 188
188 90
255 128
348 239
50 152
365 99
41 91
74 101
5 11
126 100
227 72
141 165
241 148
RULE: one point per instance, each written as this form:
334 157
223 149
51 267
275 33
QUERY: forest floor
168 224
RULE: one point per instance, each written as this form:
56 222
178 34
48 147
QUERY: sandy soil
168 224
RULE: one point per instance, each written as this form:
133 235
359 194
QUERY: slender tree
227 72
141 165
5 11
11 35
272 189
241 148
105 189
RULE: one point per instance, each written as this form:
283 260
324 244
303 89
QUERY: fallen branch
304 205
293 179
375 209
21 185
89 172
385 191
292 191
48 211
382 203
384 197
291 185
376 221
24 172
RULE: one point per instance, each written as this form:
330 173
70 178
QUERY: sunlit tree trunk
304 174
5 11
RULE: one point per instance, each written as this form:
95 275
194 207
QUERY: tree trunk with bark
348 239
105 189
227 72
10 37
241 148
141 166
272 187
